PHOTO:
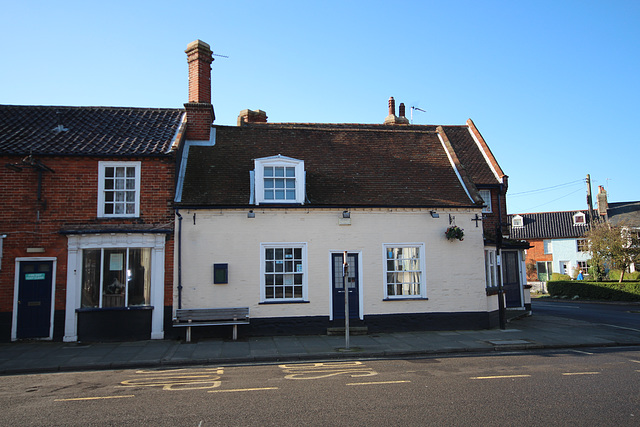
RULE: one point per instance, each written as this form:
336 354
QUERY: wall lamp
346 214
434 214
251 214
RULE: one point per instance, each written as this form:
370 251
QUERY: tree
613 247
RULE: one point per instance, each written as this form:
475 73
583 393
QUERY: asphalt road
618 314
572 387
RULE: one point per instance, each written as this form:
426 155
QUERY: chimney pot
392 106
401 110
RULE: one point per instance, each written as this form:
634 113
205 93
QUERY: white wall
454 269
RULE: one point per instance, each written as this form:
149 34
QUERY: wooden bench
211 317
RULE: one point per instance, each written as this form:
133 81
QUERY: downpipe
179 258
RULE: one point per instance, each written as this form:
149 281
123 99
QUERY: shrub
596 272
615 275
612 291
558 276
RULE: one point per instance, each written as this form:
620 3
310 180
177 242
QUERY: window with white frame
548 249
279 179
283 272
583 266
517 221
490 268
116 277
119 189
404 266
486 196
579 219
582 245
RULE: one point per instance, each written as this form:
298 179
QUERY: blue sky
551 85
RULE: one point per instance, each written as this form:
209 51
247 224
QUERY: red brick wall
70 197
536 252
491 220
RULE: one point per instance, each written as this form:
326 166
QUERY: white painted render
454 270
567 250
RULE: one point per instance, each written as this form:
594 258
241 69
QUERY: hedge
615 275
612 291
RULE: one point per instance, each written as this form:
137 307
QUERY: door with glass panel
352 282
34 299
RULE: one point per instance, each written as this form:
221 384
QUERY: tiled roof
548 225
346 165
87 131
470 155
624 213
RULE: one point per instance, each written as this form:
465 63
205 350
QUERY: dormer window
279 179
579 219
517 221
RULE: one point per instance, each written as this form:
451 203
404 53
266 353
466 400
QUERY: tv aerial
417 109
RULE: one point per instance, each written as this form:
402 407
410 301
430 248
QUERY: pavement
522 333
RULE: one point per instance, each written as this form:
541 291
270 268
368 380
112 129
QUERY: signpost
345 270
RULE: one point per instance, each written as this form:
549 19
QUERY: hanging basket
454 232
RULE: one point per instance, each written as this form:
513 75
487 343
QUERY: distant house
86 245
266 212
557 239
621 214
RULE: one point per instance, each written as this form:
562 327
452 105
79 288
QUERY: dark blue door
352 286
511 279
34 299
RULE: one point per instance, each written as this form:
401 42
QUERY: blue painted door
352 281
34 299
511 279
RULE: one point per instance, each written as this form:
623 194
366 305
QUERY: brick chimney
603 204
392 119
252 116
200 113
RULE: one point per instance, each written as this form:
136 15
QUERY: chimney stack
392 119
252 116
603 204
200 112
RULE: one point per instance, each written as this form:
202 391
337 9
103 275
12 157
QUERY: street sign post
345 269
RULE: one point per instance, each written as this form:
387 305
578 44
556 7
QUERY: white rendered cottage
266 211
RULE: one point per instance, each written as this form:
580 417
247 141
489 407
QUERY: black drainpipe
179 258
501 307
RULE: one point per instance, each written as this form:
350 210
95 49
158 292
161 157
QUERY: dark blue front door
352 286
511 279
34 299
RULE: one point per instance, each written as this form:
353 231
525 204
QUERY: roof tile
87 131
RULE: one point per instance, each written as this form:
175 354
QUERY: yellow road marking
500 376
94 398
379 382
580 373
242 389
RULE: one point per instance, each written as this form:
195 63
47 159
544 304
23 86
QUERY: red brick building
87 221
